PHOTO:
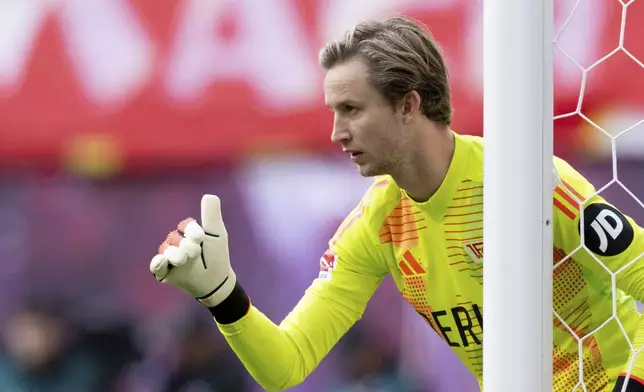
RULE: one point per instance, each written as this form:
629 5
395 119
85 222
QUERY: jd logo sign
606 230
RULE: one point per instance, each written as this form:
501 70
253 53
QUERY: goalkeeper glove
634 384
195 259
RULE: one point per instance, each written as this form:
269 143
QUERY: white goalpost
518 127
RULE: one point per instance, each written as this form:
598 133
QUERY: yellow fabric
434 253
582 290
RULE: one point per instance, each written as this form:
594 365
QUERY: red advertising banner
152 84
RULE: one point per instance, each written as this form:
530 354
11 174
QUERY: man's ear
411 105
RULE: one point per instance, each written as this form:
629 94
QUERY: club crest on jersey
328 261
474 249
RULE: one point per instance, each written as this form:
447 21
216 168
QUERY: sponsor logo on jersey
474 249
328 261
607 232
458 326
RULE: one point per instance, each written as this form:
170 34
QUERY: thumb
211 219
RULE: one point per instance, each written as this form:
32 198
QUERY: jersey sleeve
611 239
282 356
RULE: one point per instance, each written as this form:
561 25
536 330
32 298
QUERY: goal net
521 39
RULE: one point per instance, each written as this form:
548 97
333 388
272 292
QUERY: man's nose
340 133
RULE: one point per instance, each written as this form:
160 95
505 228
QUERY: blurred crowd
117 116
44 351
86 315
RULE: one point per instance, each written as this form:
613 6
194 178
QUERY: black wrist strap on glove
635 384
233 308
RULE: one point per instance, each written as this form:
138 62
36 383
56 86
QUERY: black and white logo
606 230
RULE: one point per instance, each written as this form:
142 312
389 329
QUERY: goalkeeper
422 223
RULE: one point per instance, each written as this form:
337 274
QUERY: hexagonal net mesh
596 273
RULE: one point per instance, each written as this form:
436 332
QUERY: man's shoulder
359 231
473 140
474 145
561 168
382 195
566 179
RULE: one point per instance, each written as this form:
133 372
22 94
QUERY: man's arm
280 356
610 237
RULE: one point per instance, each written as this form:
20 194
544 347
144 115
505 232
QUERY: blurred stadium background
117 115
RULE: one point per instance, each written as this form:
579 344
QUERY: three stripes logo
564 200
409 266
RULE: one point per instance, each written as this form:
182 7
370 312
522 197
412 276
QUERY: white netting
584 335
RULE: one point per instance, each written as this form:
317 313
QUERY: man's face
365 123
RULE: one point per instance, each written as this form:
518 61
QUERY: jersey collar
438 203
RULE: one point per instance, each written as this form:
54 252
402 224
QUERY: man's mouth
355 155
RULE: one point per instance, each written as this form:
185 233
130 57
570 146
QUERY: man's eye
350 109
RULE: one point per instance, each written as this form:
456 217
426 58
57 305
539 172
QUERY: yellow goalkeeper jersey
434 253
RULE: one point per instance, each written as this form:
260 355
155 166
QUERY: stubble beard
383 165
389 163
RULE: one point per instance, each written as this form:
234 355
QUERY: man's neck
424 173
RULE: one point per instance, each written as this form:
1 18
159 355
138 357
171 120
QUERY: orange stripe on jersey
563 209
594 348
401 229
381 183
413 262
590 343
566 196
641 381
353 217
401 226
404 216
466 205
468 197
406 223
467 214
463 231
462 223
560 362
469 189
398 239
573 190
405 268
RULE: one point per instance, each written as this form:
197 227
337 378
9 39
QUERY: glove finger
174 238
211 219
159 267
175 255
194 232
192 249
182 225
164 245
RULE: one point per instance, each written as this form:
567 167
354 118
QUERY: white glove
195 259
